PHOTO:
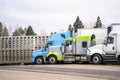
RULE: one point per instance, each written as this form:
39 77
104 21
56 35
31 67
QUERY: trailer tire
52 59
96 59
39 60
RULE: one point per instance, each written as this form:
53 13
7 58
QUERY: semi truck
39 56
74 48
109 50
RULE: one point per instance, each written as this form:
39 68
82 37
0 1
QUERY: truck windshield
110 40
48 44
68 43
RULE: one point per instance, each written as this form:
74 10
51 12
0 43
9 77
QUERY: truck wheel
39 60
97 59
52 59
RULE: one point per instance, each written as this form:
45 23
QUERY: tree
5 32
19 32
98 23
22 31
30 31
1 29
78 24
16 33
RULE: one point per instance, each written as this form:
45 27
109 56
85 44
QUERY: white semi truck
109 50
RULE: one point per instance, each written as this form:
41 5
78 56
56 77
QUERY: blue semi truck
39 56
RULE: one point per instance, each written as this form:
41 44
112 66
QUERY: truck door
110 46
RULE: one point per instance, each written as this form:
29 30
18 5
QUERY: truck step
69 58
110 61
110 57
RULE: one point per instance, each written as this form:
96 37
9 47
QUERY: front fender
59 57
92 52
40 53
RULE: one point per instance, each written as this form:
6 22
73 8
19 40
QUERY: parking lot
60 72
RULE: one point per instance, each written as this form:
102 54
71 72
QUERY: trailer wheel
97 59
52 59
39 60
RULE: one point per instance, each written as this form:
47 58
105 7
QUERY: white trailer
109 50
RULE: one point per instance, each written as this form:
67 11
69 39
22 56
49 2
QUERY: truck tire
52 59
96 59
39 60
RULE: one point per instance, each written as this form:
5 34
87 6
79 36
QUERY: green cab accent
83 38
56 54
70 39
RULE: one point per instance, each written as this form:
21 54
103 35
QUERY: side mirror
93 37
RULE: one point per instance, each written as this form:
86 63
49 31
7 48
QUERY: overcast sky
55 15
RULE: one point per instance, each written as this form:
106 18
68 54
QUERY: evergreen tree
19 32
78 24
1 29
22 31
16 33
5 32
30 31
25 29
98 23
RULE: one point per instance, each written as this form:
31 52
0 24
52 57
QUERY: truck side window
84 44
110 40
67 44
63 35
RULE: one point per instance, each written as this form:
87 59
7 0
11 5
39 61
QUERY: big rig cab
74 49
38 56
109 50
